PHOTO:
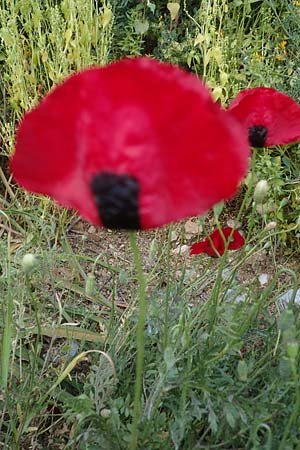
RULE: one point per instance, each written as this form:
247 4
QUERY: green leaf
212 420
230 414
68 332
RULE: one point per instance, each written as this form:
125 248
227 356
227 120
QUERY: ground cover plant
221 354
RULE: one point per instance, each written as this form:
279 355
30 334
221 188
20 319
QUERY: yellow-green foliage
43 42
230 44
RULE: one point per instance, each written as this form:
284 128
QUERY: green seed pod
260 192
271 226
28 263
90 285
105 412
153 249
292 348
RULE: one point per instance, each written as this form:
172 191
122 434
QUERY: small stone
181 250
233 295
190 275
192 227
232 224
285 299
74 348
226 273
174 236
92 229
263 279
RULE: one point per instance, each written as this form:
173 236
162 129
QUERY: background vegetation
220 369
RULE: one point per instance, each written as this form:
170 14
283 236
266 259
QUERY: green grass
86 363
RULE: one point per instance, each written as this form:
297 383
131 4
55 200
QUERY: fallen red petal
149 130
198 248
237 241
270 109
215 246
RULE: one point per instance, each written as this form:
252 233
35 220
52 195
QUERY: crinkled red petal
148 120
216 246
267 107
237 241
198 248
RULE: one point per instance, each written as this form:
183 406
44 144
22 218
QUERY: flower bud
217 93
292 349
90 285
105 412
28 263
271 226
223 78
153 249
260 192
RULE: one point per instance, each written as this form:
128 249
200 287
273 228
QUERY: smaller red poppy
269 116
215 246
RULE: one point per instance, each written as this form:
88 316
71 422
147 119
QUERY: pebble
285 299
233 295
263 279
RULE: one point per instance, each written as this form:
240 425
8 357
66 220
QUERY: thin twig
6 184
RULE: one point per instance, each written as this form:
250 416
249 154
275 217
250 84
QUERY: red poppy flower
135 144
269 116
216 246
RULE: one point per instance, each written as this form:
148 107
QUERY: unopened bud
153 249
223 78
90 285
28 262
292 349
217 93
271 226
105 412
260 192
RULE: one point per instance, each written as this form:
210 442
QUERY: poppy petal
152 127
268 116
216 247
198 248
237 241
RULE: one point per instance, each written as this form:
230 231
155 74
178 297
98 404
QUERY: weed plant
221 359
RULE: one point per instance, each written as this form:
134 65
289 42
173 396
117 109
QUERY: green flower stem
7 330
167 299
140 340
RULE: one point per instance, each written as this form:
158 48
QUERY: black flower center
116 197
257 135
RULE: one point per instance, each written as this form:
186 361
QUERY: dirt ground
114 247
